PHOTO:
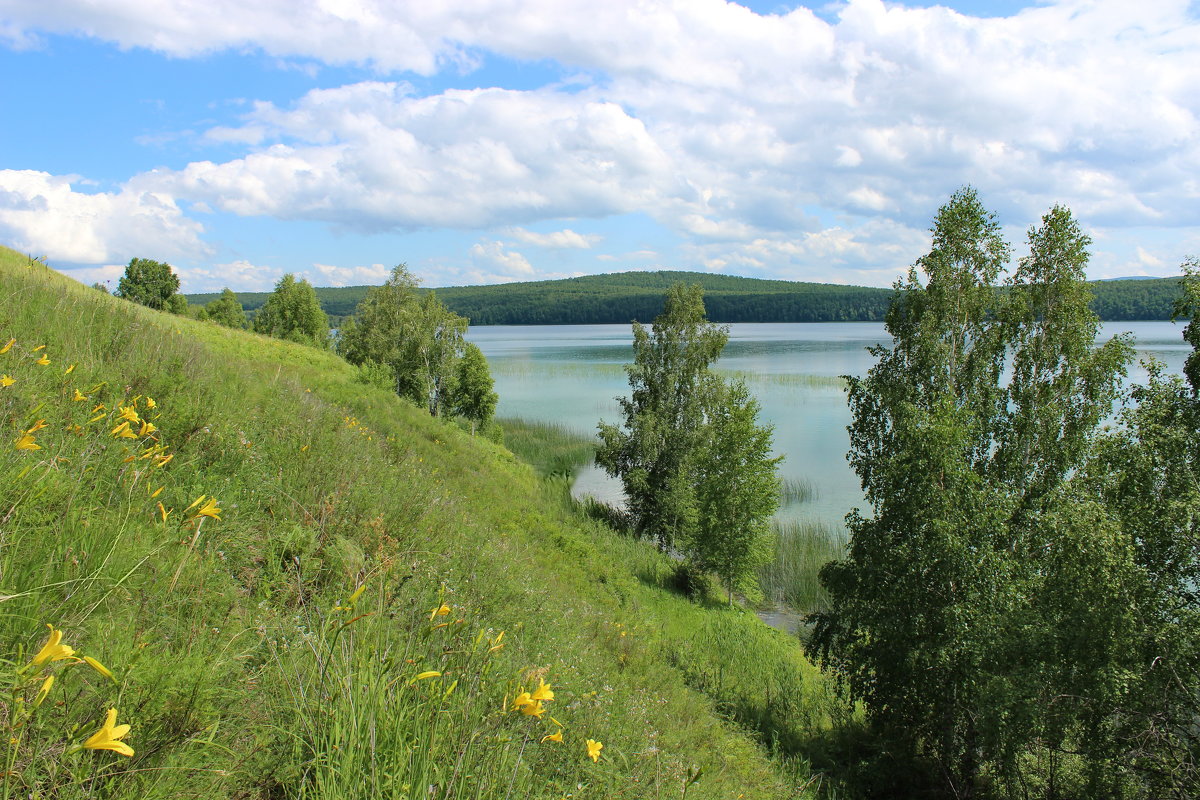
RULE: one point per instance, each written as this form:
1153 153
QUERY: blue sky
497 140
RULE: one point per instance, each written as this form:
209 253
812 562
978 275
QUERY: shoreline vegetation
619 298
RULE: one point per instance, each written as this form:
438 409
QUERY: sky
488 141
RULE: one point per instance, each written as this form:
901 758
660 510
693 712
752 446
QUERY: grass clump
801 549
258 548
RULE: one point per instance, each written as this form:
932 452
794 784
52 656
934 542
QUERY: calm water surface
571 375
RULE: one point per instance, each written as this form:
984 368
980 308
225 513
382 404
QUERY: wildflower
122 431
162 461
162 512
99 407
5 380
96 665
497 643
430 674
440 611
303 448
26 442
70 369
209 509
7 347
39 347
79 396
109 735
129 413
357 594
156 492
44 360
533 709
542 692
45 690
594 749
147 428
553 737
37 426
521 700
150 402
53 649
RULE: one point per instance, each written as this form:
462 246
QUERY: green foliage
960 615
737 489
471 395
420 341
241 665
227 310
293 313
653 452
151 283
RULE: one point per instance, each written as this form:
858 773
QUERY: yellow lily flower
109 735
542 692
39 347
553 737
534 709
497 643
53 649
147 428
433 673
70 369
26 442
129 413
6 380
96 665
7 347
79 396
45 690
150 402
122 431
209 509
594 749
521 700
156 492
99 407
37 426
44 360
162 512
162 461
440 611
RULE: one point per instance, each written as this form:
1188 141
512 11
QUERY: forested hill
622 297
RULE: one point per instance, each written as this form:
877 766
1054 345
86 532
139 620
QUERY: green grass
794 491
801 549
552 449
238 658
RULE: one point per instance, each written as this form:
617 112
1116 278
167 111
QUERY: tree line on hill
625 297
400 338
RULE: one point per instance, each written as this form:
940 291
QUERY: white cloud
727 127
558 240
504 265
370 275
42 214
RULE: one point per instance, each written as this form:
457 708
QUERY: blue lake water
571 375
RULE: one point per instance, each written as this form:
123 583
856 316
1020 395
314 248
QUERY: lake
571 375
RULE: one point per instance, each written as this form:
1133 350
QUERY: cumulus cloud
507 265
557 240
369 275
730 128
41 213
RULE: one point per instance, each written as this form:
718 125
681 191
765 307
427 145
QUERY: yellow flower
533 709
122 431
99 407
107 738
594 749
156 492
6 380
209 509
26 442
542 692
7 347
433 673
162 512
53 649
39 347
147 428
129 413
522 700
162 461
497 643
440 611
37 426
70 369
553 737
96 665
79 396
150 402
44 360
45 690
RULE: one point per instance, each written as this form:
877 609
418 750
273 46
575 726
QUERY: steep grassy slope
352 608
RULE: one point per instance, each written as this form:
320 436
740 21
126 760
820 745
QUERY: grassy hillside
622 297
307 588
